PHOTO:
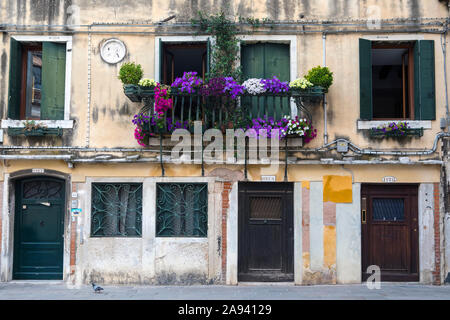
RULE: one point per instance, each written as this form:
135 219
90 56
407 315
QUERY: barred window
181 209
116 210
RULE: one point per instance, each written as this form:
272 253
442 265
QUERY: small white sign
37 170
74 203
389 179
74 195
76 211
268 178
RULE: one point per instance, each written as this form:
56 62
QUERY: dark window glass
116 210
391 83
182 209
265 208
388 209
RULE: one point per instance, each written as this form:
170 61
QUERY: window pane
388 209
265 208
182 210
116 210
390 83
34 77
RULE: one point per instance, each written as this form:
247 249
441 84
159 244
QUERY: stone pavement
57 290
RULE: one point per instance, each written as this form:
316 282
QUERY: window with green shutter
266 60
397 80
37 80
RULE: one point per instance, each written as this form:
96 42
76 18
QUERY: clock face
113 51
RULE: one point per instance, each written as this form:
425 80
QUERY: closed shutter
53 80
424 81
365 79
265 60
15 79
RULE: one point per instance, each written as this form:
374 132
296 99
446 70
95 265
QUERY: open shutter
208 57
161 62
15 79
53 80
365 79
424 81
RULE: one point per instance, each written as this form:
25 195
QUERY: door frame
268 188
414 237
8 215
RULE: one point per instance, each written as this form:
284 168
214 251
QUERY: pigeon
97 289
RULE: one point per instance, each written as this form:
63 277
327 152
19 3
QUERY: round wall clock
113 51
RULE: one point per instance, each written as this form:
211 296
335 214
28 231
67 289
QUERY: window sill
413 124
63 124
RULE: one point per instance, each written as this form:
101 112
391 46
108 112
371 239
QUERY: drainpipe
325 129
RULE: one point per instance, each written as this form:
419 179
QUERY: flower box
132 92
397 134
35 132
146 91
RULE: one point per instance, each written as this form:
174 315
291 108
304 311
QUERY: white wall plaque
389 179
268 178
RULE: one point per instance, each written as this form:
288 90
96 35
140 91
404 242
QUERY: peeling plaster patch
337 189
95 115
230 175
329 246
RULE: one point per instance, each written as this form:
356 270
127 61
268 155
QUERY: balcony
224 112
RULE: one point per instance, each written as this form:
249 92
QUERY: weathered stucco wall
106 120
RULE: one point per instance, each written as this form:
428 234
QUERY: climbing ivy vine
224 52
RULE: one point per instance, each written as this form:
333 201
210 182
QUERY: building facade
82 201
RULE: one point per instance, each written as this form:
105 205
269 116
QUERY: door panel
38 238
389 234
265 232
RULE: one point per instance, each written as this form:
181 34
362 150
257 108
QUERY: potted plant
320 77
147 87
299 86
189 83
130 74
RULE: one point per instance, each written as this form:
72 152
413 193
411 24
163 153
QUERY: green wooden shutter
15 79
161 61
53 80
208 57
265 60
424 81
365 79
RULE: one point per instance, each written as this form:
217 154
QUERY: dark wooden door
266 236
389 218
38 229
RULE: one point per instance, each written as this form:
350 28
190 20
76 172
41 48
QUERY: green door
265 60
38 229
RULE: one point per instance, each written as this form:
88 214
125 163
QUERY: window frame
65 123
368 124
116 182
410 47
206 189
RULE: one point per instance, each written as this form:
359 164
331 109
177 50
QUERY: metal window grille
116 210
182 210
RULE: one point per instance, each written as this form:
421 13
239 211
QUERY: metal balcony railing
223 112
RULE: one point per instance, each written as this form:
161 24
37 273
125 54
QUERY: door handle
363 217
47 204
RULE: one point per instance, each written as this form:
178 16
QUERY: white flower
254 86
147 82
301 83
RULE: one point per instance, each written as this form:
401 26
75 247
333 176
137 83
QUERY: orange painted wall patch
337 189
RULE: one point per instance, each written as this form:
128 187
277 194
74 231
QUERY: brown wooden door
266 236
389 219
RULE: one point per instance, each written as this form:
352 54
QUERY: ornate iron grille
116 210
46 189
181 209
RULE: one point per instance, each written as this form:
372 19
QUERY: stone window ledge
63 124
